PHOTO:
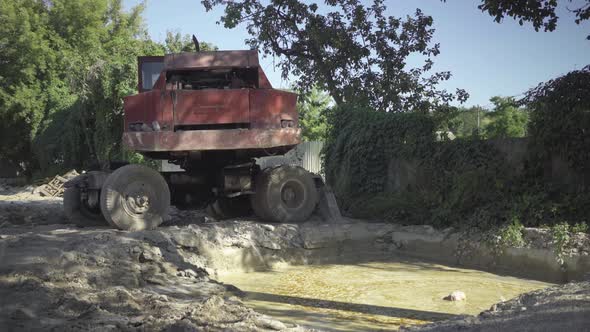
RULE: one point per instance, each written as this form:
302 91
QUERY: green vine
455 180
465 182
560 118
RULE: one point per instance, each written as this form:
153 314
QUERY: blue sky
485 58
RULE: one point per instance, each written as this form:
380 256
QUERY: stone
188 273
269 228
456 296
269 323
150 254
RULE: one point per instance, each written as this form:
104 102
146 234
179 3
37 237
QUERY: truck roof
211 59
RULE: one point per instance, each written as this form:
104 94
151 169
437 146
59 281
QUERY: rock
188 273
268 323
269 228
456 296
150 254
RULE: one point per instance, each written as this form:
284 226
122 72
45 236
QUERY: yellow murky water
373 296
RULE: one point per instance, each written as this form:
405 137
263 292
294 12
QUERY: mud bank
247 245
560 308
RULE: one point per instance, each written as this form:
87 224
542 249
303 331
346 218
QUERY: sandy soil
57 276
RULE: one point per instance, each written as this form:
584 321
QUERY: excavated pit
348 276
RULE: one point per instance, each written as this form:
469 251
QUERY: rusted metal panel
142 108
200 140
211 106
166 108
213 59
270 115
263 82
268 107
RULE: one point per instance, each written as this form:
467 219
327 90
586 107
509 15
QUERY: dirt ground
57 276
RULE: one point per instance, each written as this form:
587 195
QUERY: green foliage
409 208
355 51
540 13
506 120
464 182
65 67
361 141
312 108
560 118
580 227
466 176
467 122
511 234
561 237
457 179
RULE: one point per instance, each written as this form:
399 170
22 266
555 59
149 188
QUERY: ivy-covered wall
390 166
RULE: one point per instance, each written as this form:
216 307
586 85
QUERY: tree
469 121
65 66
560 118
25 59
177 43
541 13
507 120
312 107
354 52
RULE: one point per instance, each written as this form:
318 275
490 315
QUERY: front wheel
135 197
285 194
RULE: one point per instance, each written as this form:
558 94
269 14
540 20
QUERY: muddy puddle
372 296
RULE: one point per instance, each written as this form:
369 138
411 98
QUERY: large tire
77 212
227 208
285 194
258 201
135 197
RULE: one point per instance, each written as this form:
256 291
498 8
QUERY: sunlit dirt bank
348 276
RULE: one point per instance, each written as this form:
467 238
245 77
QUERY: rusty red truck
210 113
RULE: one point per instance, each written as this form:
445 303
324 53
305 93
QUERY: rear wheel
135 197
285 194
79 211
